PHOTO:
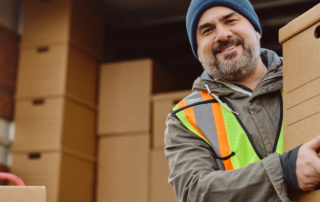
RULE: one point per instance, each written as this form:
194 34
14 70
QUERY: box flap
299 24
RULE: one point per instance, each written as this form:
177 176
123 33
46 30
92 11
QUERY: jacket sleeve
195 176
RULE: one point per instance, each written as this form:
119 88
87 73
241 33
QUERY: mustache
225 44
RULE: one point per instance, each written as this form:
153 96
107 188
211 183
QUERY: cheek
206 47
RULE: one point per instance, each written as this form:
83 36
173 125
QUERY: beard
232 69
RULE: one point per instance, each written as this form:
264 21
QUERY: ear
258 35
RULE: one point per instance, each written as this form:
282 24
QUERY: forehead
215 13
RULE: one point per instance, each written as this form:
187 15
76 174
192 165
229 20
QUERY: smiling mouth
228 48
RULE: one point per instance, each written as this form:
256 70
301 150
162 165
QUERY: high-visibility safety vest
222 129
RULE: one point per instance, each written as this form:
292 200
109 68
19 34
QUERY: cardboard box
65 177
53 124
125 95
161 190
78 22
301 47
123 168
162 104
53 70
22 194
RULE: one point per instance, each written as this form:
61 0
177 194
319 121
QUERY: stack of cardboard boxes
301 48
127 162
161 190
56 98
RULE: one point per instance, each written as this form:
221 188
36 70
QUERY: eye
207 30
231 21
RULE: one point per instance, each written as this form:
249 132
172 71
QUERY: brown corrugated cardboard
299 24
301 79
123 168
162 104
161 190
125 95
22 194
301 48
57 70
76 21
54 124
66 177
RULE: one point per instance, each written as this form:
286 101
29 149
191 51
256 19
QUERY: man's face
228 45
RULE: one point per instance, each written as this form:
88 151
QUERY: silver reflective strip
206 124
193 98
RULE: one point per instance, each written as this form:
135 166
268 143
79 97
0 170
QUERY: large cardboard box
66 177
161 190
77 22
162 103
123 167
22 194
125 95
53 124
53 70
301 48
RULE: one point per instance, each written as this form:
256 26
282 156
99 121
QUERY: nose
223 34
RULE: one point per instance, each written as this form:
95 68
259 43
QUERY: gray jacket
194 173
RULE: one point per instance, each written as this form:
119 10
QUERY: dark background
156 29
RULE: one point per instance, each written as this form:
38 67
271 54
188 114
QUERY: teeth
229 48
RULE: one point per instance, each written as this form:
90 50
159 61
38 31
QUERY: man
224 141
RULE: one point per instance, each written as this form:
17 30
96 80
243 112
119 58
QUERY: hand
308 165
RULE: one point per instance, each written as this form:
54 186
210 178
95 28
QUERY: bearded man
224 142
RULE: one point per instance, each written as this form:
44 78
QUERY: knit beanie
198 7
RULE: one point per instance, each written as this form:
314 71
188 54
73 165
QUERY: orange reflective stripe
222 135
206 96
181 104
192 119
221 131
190 116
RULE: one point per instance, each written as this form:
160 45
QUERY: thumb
314 144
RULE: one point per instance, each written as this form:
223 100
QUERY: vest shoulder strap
194 99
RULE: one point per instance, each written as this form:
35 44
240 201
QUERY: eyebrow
208 24
222 18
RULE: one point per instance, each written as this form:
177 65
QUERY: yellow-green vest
222 130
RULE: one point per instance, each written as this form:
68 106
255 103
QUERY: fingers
314 144
316 165
308 165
